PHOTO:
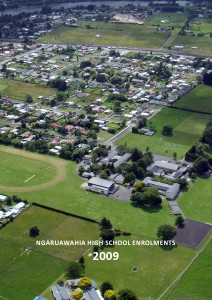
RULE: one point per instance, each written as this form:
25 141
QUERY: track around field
59 164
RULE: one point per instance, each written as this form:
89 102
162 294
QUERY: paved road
119 135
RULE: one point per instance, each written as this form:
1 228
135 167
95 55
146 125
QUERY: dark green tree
166 232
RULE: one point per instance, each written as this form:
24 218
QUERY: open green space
199 99
187 129
102 33
156 268
18 90
30 272
204 44
196 202
18 171
196 283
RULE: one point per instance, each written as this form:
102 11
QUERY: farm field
187 129
199 99
196 202
196 283
28 269
108 34
18 90
204 44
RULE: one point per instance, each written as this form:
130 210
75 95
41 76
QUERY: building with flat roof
166 165
101 186
60 292
170 191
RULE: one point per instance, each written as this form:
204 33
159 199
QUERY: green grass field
156 268
18 90
110 34
196 202
30 272
196 283
25 168
199 99
204 44
188 128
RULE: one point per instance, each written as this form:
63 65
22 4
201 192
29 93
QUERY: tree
82 260
105 224
136 154
109 295
34 231
29 98
107 235
166 232
77 294
84 283
183 183
105 287
207 78
201 165
127 294
167 130
9 201
101 78
74 270
207 136
179 221
129 177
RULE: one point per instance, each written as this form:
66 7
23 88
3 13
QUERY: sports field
187 129
196 283
30 272
18 90
199 99
25 171
102 33
196 202
156 268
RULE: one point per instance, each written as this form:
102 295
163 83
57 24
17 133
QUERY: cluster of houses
10 211
64 292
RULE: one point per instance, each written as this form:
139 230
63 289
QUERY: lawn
196 283
32 271
30 171
18 90
109 34
187 129
196 202
156 268
199 99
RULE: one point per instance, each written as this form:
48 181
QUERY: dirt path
59 164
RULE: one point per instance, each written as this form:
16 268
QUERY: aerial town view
106 150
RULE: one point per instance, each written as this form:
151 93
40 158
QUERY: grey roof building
101 186
175 208
166 165
167 190
110 156
122 159
60 292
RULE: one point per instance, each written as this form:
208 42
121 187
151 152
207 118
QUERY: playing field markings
29 178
